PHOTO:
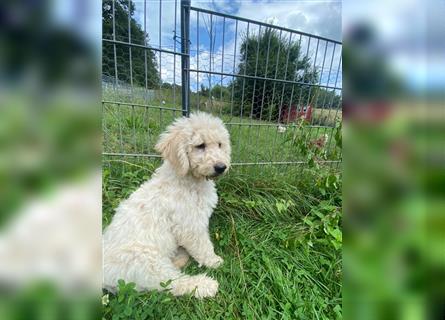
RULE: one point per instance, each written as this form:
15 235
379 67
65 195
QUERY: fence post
185 57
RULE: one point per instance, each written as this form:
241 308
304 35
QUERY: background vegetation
127 29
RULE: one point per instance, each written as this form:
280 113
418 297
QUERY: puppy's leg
201 285
198 244
148 272
181 258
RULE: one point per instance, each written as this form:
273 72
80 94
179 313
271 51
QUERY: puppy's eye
202 146
219 144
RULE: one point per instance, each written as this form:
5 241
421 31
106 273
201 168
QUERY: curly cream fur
167 218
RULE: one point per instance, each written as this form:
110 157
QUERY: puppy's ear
172 145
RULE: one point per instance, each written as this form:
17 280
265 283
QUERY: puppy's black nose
220 168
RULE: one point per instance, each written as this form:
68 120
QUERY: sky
322 18
161 18
410 34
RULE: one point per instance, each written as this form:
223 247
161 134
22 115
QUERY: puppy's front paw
214 262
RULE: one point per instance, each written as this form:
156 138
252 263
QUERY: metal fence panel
272 86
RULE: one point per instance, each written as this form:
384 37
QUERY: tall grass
275 230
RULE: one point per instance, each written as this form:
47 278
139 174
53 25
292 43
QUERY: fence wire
274 87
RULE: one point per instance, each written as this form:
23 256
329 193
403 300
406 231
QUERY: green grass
134 128
277 227
220 106
279 237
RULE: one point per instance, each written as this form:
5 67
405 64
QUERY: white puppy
146 239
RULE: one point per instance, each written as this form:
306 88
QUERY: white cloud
322 18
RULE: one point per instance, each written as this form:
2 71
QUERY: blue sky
317 17
321 18
411 31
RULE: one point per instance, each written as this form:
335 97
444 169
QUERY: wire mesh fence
275 88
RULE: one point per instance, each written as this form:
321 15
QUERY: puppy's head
199 145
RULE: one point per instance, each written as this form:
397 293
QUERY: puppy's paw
201 286
214 262
206 287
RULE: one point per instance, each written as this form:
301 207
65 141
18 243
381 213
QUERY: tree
220 92
204 91
367 76
266 98
326 99
126 72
